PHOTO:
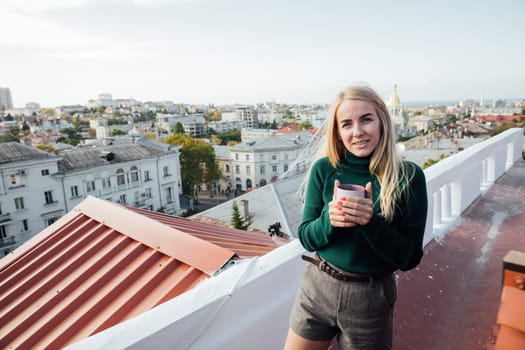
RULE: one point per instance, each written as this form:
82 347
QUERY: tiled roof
102 264
16 152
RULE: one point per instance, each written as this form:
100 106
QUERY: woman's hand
351 211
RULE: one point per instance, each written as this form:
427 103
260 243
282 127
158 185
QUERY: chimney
244 209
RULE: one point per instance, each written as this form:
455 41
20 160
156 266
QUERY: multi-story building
194 124
30 198
37 188
6 101
258 162
246 114
224 126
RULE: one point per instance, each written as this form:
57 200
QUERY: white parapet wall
455 182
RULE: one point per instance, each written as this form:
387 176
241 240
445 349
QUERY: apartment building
37 188
259 162
6 102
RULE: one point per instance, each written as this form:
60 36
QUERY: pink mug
349 190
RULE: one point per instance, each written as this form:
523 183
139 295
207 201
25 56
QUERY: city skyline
230 51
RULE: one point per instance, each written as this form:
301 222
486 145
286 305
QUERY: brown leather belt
340 276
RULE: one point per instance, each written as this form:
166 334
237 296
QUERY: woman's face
358 127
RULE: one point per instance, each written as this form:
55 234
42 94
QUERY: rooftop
93 269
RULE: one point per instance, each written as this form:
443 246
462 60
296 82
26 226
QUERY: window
121 180
169 195
3 232
122 199
74 191
248 171
286 167
45 172
134 174
261 169
49 197
146 175
236 156
106 183
274 157
166 171
247 157
227 168
19 203
237 169
274 168
148 193
50 221
25 225
13 179
90 186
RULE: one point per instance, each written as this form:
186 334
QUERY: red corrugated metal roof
101 264
243 243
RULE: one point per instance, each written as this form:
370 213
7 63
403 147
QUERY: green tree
72 136
304 125
76 123
178 128
230 135
46 148
117 132
198 164
48 111
504 126
12 135
236 220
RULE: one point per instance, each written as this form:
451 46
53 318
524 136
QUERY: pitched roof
101 264
16 152
86 158
275 202
275 142
244 243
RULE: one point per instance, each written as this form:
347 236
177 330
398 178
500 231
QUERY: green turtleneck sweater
378 247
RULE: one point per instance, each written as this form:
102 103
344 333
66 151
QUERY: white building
194 124
248 135
224 126
397 114
37 188
30 198
247 114
258 162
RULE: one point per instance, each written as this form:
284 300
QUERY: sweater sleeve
315 229
401 242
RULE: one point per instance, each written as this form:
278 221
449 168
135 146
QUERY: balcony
5 219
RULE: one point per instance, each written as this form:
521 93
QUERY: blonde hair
384 163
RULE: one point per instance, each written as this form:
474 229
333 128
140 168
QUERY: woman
349 290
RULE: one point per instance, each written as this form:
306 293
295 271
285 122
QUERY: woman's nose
358 129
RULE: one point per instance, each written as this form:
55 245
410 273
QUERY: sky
62 52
